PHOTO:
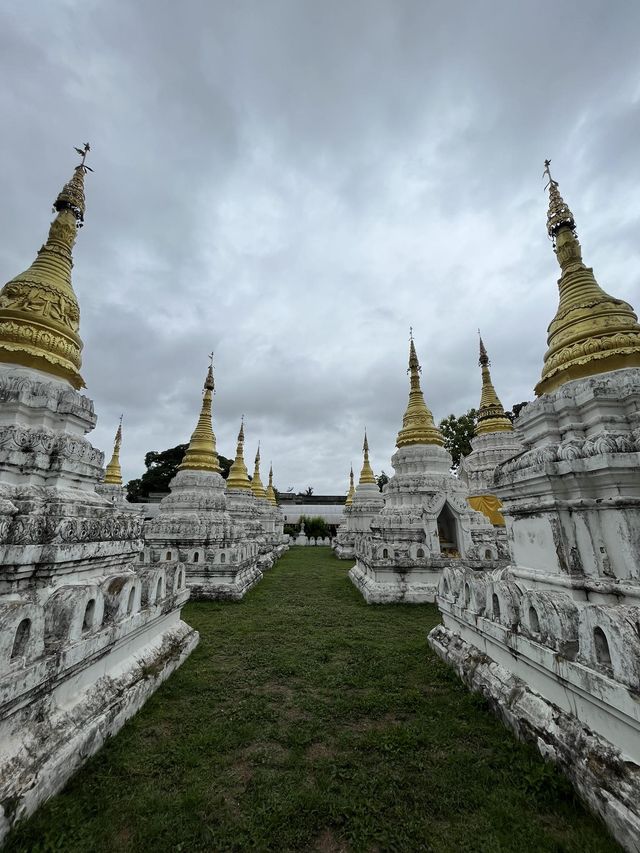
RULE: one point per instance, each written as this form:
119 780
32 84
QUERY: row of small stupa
90 598
225 532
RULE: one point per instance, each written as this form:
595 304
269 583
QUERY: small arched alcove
21 639
447 532
601 645
131 601
495 604
167 556
89 615
534 622
196 557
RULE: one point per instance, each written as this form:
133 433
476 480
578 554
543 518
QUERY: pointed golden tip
352 489
113 472
256 484
559 214
270 492
414 365
209 382
366 474
71 196
238 477
418 426
484 358
39 313
592 331
491 414
201 453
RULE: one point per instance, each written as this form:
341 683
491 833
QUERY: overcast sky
294 183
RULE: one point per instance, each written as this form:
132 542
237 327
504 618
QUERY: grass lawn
307 720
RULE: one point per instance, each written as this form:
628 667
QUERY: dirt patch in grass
266 752
319 750
326 842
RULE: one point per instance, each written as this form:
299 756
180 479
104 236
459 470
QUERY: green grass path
307 720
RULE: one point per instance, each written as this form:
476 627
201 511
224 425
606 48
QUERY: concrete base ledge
401 592
607 782
41 753
224 587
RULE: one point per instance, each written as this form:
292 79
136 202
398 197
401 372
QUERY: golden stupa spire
592 332
271 492
418 426
352 489
201 454
491 416
256 484
113 473
39 314
366 475
238 476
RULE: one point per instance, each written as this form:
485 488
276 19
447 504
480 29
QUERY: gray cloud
293 184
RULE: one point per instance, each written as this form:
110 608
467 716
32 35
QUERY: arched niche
448 533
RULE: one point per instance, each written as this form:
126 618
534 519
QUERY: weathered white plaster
86 633
425 523
554 640
193 527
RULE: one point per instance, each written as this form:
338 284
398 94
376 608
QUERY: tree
457 433
314 526
308 491
382 480
161 469
515 410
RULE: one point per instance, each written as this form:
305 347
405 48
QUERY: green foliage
457 433
161 469
516 409
314 526
382 480
308 720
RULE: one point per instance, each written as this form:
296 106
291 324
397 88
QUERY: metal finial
547 172
121 416
410 333
83 153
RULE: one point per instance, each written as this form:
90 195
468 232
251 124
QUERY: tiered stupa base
390 585
552 641
193 528
426 524
86 632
